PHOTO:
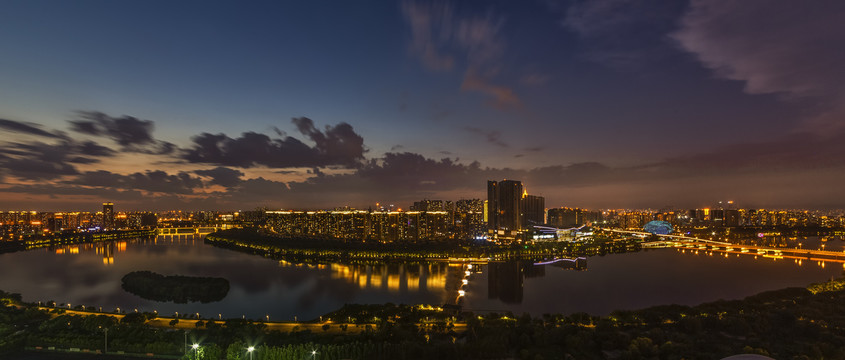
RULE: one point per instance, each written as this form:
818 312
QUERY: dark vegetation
792 323
177 288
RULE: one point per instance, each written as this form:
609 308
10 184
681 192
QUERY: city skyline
616 104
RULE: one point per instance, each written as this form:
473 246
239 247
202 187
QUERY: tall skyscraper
492 205
504 207
108 216
533 210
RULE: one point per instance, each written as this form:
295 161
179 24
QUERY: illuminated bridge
696 244
766 251
667 240
187 231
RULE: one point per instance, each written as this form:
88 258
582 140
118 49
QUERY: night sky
160 105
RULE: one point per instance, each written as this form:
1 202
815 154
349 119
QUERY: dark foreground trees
792 323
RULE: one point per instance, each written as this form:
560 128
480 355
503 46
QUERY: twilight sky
317 104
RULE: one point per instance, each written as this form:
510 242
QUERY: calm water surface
260 287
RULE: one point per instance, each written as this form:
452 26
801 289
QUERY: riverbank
305 249
60 239
792 323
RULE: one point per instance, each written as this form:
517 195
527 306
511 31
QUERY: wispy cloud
444 40
431 31
774 47
492 136
623 34
501 97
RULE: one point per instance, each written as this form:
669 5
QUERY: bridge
187 231
696 244
769 252
667 240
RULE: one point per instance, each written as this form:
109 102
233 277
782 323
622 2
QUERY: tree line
792 323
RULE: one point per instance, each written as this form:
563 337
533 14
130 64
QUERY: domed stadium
658 227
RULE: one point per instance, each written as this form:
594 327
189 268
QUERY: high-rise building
732 218
469 218
429 205
504 207
565 217
492 206
108 216
533 210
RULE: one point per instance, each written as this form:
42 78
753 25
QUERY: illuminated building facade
383 226
108 216
469 218
504 208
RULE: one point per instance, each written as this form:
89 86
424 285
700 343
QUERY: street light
250 350
195 347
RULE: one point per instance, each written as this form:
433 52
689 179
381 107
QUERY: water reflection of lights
774 255
394 277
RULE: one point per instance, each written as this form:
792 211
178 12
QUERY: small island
176 288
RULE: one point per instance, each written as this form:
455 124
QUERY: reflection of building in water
505 280
107 249
391 277
68 250
108 253
400 277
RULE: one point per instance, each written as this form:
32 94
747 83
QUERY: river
262 288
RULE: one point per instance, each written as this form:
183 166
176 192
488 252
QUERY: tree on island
177 288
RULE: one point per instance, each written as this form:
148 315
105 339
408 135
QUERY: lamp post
250 350
106 342
196 348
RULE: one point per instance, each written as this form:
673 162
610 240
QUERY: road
282 326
